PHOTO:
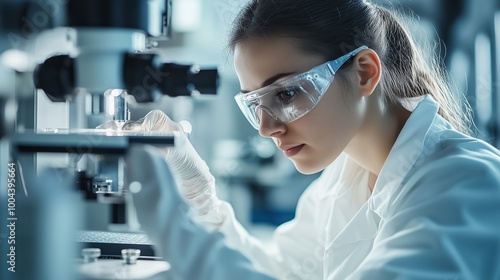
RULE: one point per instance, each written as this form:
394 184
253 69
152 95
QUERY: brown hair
331 28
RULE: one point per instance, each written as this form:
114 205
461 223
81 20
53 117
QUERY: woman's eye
287 94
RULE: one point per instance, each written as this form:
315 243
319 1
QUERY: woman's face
315 140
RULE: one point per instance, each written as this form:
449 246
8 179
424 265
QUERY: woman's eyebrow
271 80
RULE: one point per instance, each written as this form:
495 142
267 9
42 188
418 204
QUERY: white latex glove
193 252
197 183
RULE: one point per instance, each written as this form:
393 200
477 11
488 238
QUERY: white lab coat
434 214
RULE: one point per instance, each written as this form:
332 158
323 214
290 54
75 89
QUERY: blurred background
251 173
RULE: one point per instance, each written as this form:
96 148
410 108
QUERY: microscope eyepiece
56 78
146 78
187 80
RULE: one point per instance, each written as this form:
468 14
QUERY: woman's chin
307 168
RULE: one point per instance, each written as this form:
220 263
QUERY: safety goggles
290 99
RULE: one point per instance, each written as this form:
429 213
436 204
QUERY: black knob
188 80
56 78
146 78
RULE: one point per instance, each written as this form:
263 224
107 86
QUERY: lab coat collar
404 153
356 239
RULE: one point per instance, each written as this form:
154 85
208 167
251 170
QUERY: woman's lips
291 151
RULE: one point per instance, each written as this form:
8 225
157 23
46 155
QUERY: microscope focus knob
91 254
130 256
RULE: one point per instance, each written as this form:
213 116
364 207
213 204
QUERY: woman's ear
369 70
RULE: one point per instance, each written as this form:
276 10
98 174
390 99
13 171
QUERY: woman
340 86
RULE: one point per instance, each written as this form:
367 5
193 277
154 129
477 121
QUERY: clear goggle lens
292 98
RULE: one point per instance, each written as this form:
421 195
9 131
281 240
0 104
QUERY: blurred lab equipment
109 59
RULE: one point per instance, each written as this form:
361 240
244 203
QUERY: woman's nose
270 125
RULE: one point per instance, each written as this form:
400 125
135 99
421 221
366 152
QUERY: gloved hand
193 252
197 184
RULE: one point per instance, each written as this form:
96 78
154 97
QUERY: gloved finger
156 120
132 125
108 125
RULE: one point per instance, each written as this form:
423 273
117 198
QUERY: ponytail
408 74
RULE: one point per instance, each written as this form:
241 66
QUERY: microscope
111 62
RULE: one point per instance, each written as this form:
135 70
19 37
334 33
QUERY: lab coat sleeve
295 250
444 224
192 251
